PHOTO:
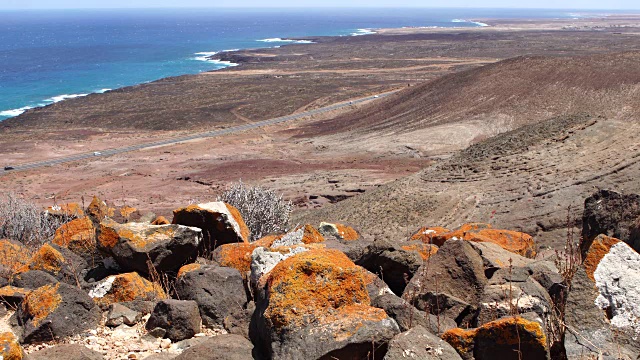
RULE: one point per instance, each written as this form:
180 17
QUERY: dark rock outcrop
451 283
179 318
218 291
55 312
418 343
408 317
66 352
613 214
221 347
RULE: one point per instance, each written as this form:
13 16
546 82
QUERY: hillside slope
576 120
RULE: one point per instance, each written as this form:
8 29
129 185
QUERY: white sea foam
205 56
481 24
49 101
280 40
15 112
275 40
63 97
361 32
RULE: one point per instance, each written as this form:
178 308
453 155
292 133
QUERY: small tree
264 211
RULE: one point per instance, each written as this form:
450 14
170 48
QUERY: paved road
236 129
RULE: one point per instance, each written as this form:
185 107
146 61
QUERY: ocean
53 55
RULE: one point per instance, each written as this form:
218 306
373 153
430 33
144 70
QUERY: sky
548 4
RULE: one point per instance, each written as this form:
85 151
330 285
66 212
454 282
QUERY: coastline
274 82
218 58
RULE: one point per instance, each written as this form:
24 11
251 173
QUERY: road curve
176 140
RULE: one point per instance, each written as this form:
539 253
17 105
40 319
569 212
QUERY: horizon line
324 7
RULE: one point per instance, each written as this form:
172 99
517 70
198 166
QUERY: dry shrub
25 222
264 211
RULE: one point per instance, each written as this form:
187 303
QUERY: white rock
102 288
618 281
263 261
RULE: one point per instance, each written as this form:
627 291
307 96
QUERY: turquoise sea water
49 56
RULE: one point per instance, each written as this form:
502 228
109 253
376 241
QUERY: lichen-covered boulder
514 338
426 234
315 305
612 268
59 262
451 283
221 223
513 241
338 231
98 210
424 250
125 287
12 296
160 220
180 319
419 343
13 255
65 211
54 312
79 236
168 247
10 347
238 255
218 291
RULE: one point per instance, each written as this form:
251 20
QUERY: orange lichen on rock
460 339
314 285
514 241
9 347
503 332
136 234
237 256
426 234
235 214
77 235
108 237
310 235
127 211
39 303
12 291
220 222
340 231
160 220
129 287
47 259
267 241
425 250
98 210
188 268
13 255
69 210
347 233
598 249
498 337
465 232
